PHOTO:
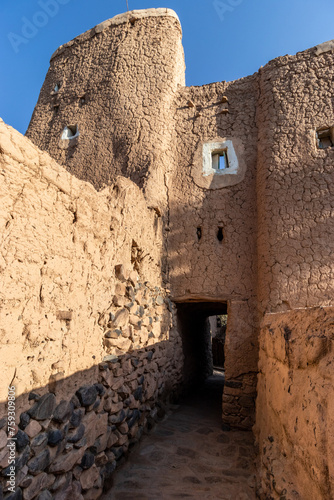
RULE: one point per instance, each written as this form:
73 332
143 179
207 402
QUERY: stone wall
86 322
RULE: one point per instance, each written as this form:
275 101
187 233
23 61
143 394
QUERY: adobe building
135 209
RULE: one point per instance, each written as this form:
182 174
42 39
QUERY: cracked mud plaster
274 253
60 243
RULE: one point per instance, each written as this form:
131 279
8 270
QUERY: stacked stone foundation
71 448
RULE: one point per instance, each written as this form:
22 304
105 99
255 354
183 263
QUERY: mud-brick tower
114 86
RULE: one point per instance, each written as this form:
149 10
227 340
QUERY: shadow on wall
72 446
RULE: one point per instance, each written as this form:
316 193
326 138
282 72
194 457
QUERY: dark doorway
195 329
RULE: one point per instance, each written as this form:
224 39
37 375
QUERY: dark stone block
39 463
75 436
150 355
76 417
134 418
108 469
100 389
24 420
135 362
103 367
117 451
87 395
117 418
63 411
43 409
233 384
39 441
138 394
17 495
22 440
62 482
55 436
33 396
44 495
75 401
141 380
87 460
22 459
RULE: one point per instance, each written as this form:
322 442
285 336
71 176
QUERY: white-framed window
219 158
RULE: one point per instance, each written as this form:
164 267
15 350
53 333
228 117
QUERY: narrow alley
187 455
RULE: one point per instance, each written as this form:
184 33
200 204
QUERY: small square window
220 160
325 137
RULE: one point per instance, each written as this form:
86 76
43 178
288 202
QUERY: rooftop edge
115 21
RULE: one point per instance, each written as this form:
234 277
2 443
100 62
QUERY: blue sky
223 39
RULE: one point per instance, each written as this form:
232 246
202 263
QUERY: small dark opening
199 233
82 100
220 234
56 108
325 138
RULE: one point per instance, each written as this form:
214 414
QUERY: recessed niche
82 100
199 233
325 137
70 132
220 234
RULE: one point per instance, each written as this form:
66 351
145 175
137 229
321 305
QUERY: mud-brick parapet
128 17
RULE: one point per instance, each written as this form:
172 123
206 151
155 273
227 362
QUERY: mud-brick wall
204 267
87 334
295 413
295 276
